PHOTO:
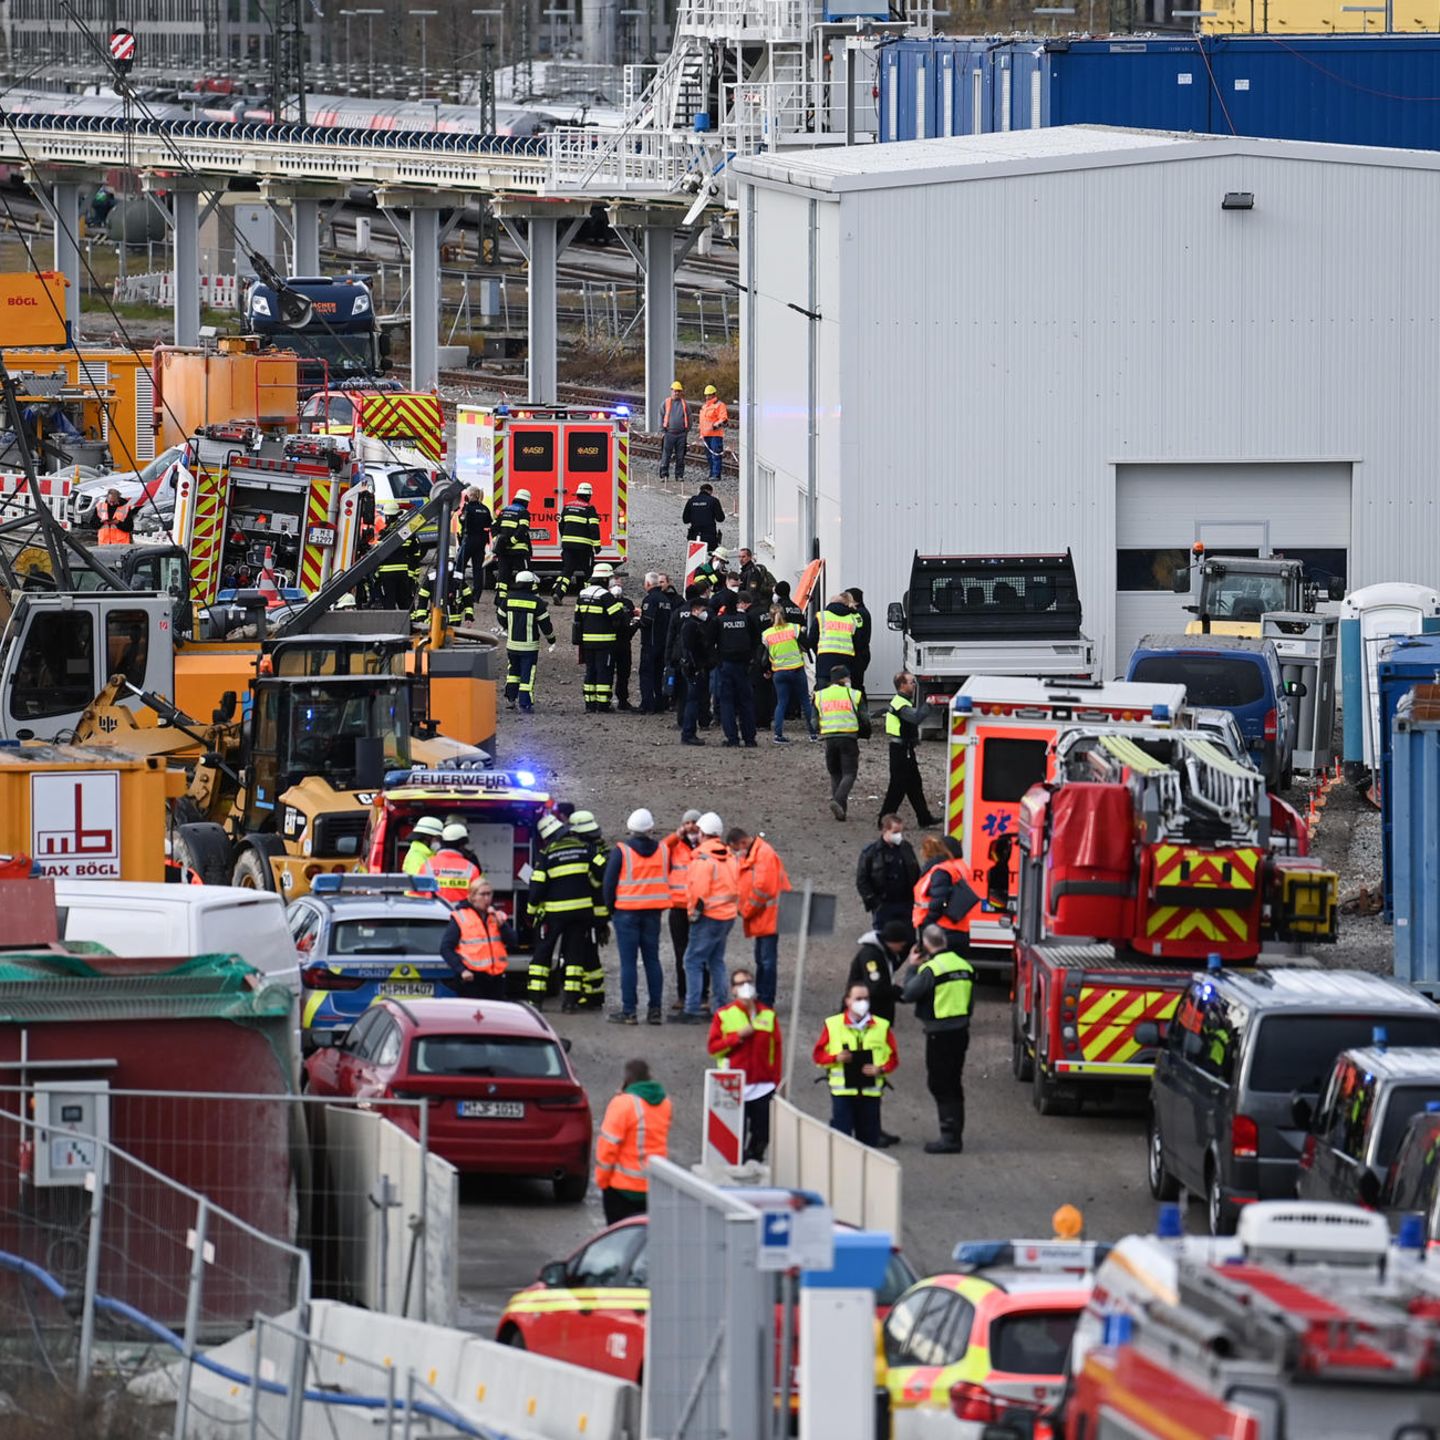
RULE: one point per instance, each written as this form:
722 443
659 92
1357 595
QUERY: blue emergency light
1212 962
526 778
1160 712
964 704
1379 1037
622 410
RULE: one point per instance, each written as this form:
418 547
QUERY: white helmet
527 577
711 824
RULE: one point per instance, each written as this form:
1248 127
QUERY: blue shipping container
1417 839
1354 90
1403 664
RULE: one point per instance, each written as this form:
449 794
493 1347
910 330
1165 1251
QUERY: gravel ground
1017 1167
1347 835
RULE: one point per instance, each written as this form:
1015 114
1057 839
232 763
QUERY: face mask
894 837
732 584
859 1008
745 992
617 590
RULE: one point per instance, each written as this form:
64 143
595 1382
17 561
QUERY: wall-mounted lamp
1238 200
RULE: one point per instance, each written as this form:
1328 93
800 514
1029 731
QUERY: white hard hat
455 832
711 824
602 572
641 822
522 495
527 577
584 489
345 602
428 825
719 553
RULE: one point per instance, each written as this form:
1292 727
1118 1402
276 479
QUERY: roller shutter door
1298 510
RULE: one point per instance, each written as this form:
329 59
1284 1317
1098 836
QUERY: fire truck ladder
1257 1312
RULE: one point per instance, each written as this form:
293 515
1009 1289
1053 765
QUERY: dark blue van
1228 672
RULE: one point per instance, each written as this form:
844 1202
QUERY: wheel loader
280 786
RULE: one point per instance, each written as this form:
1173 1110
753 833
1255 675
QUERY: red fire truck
550 450
1002 730
1149 854
1313 1324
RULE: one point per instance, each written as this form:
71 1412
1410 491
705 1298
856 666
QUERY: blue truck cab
1229 672
328 321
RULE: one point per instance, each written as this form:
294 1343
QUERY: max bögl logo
75 823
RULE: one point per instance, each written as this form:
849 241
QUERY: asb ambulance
550 450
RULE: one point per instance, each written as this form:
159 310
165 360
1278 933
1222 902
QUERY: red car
591 1309
504 1098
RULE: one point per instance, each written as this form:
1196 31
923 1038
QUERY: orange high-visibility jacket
762 879
632 1131
679 852
644 882
714 417
712 887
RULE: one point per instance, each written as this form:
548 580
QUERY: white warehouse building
1117 341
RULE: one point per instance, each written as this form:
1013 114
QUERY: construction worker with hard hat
674 431
512 547
476 944
714 417
599 616
579 541
454 871
637 893
425 839
527 618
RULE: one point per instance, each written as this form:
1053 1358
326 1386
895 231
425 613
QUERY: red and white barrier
695 557
54 495
724 1140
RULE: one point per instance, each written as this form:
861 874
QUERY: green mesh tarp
43 986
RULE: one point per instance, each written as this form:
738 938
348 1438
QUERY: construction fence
132 1216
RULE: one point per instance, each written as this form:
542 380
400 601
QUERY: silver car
156 482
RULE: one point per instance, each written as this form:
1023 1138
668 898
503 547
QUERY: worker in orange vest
476 944
679 847
116 519
636 888
712 897
943 895
714 417
635 1128
453 870
762 881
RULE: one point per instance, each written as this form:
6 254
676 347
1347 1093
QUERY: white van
134 918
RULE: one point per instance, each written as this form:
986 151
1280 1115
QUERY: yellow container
86 813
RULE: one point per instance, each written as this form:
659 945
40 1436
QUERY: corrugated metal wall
1352 90
986 409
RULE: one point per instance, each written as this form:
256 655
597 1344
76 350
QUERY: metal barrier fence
861 1185
342 1192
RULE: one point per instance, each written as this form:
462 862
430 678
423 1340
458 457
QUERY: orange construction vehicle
237 382
1149 855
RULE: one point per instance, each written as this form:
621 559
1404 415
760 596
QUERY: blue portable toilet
1417 838
1403 664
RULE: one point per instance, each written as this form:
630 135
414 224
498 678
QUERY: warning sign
75 823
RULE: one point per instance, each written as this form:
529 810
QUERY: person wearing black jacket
658 608
628 622
880 954
737 638
903 720
703 514
692 666
886 875
794 614
861 662
476 523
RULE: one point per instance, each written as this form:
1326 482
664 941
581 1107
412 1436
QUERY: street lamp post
349 16
424 16
370 15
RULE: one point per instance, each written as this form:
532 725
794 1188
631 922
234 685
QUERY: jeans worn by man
706 953
637 932
767 967
737 702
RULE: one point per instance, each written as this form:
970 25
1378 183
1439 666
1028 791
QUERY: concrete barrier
861 1185
492 1388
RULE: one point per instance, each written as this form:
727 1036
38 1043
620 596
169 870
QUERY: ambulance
1000 743
254 509
550 450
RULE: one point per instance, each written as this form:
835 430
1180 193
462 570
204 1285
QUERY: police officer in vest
636 890
476 944
857 1051
527 618
902 728
832 638
842 722
579 542
940 985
